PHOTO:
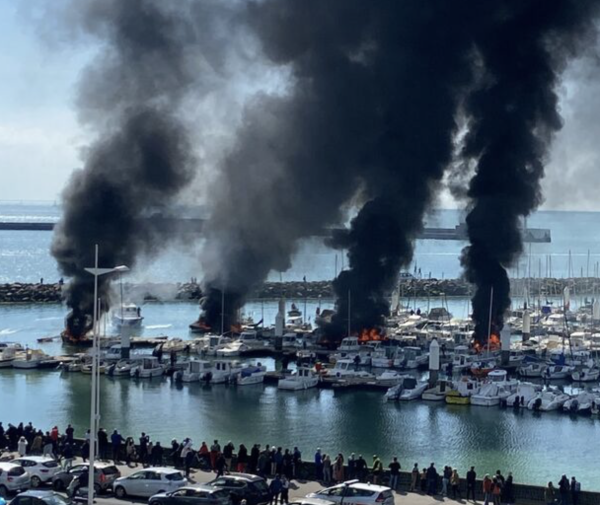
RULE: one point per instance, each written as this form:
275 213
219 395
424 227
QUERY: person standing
361 468
189 460
564 489
575 490
254 454
550 494
220 464
68 456
215 449
471 481
497 491
447 473
394 467
228 454
85 450
326 468
338 469
376 469
242 458
352 466
22 446
455 484
144 439
296 462
285 490
70 432
129 451
432 477
487 489
414 477
319 464
509 489
157 454
116 441
275 489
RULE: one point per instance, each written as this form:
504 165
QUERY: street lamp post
96 272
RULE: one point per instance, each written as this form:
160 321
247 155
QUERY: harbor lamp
96 272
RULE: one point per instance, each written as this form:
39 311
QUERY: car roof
312 501
37 459
8 465
202 487
38 494
159 469
361 485
244 476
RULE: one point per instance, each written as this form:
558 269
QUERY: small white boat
231 350
489 395
251 374
550 399
557 372
127 314
87 368
302 378
195 371
29 359
414 357
438 392
586 374
412 390
121 368
224 371
349 344
525 392
394 392
8 353
346 368
147 368
581 403
389 378
209 344
532 370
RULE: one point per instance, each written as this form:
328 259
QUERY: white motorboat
438 392
148 367
8 353
30 358
346 368
380 359
389 378
87 368
558 372
209 344
550 399
586 374
414 357
302 378
232 349
581 403
121 368
194 371
489 395
224 371
127 314
412 390
525 392
394 392
349 344
532 370
251 374
515 357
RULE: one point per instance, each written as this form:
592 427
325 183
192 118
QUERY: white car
147 483
41 469
13 478
354 492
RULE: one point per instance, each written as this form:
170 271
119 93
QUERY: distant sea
574 250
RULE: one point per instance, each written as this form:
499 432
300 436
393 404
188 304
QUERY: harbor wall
411 288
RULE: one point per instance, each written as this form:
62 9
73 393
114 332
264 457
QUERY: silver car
40 468
13 478
149 482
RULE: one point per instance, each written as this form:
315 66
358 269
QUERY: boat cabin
349 344
150 363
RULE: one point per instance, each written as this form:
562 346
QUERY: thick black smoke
142 157
522 49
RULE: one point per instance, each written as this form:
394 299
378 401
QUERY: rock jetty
411 288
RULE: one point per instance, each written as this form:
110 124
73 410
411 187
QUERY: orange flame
493 344
370 335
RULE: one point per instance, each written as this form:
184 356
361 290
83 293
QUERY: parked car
105 475
193 495
39 498
149 482
354 492
13 478
41 469
244 486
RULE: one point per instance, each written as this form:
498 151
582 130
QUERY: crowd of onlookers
266 461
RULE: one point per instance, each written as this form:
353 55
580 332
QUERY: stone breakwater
420 288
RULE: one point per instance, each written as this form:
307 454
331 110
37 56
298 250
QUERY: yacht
251 374
532 370
496 389
148 367
302 378
127 314
8 353
346 368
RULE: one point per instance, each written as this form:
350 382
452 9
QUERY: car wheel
58 485
35 481
120 492
3 491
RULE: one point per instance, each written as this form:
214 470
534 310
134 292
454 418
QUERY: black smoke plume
522 49
142 156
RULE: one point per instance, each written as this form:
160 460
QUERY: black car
39 498
193 495
244 486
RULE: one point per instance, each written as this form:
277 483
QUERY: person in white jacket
22 446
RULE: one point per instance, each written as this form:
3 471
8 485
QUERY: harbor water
535 447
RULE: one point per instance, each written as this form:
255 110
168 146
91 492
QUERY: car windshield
110 470
261 485
174 476
55 499
220 494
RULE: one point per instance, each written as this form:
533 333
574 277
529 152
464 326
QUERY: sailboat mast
222 311
490 319
349 306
